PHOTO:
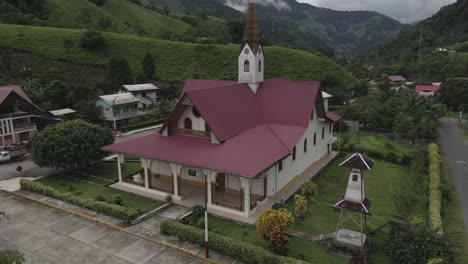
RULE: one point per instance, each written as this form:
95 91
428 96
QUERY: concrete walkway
455 148
47 235
148 228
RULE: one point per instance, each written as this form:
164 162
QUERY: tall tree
149 69
119 73
70 144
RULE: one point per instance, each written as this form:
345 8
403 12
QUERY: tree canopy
454 94
70 144
149 69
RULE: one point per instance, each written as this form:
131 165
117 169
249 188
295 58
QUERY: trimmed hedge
143 125
246 252
113 210
435 196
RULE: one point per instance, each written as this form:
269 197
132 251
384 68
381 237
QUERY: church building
236 146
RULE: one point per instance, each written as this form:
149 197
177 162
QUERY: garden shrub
118 200
309 189
279 243
435 196
100 198
271 220
198 211
418 244
245 252
113 210
300 206
8 256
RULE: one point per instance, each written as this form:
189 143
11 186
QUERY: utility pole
207 248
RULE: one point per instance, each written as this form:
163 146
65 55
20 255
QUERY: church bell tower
251 59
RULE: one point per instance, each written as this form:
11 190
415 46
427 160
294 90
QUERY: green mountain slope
119 16
175 61
446 27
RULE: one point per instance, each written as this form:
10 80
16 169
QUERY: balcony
24 127
189 132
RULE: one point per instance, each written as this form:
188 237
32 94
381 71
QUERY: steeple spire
251 33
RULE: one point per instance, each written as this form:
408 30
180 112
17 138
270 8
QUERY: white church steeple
251 59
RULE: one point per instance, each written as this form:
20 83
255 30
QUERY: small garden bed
79 184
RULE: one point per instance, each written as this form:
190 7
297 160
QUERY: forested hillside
430 51
302 26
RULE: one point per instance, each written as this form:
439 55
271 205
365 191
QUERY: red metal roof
6 90
332 116
256 129
396 78
427 88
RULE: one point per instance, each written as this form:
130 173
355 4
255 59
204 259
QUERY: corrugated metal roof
119 99
61 112
427 88
140 87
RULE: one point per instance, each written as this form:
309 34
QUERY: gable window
294 153
195 112
280 165
323 132
260 66
188 123
315 138
305 145
246 66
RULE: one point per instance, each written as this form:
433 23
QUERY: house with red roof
426 90
236 146
17 112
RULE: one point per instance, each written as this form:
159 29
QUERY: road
30 169
47 235
455 147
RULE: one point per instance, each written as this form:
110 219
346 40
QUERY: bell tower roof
358 161
251 33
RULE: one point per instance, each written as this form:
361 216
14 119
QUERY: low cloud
241 5
406 11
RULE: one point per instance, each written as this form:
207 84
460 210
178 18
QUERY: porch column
210 177
176 169
145 168
246 183
119 166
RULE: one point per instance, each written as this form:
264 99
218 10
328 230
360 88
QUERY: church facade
234 146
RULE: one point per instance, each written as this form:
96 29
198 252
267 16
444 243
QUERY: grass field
175 61
380 143
88 187
125 17
312 251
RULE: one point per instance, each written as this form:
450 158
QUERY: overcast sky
406 11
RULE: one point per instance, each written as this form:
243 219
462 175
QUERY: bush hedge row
113 210
435 196
390 156
143 125
246 252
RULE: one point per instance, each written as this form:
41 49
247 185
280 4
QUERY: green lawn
380 143
312 251
323 219
109 171
91 187
176 61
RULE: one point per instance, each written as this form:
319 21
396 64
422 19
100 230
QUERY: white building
117 109
241 145
147 93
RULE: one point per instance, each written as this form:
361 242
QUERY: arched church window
246 66
260 66
188 123
195 112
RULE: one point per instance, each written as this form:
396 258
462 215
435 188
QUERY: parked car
13 152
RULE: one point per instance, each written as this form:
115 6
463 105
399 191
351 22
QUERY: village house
64 114
17 115
426 90
118 109
396 79
147 93
236 146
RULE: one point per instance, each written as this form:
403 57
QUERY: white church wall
257 186
292 168
233 182
161 167
253 76
198 123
